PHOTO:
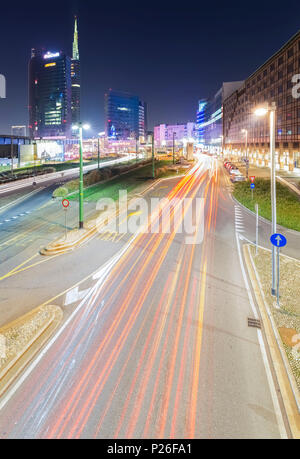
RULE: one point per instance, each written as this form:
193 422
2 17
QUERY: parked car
237 178
234 171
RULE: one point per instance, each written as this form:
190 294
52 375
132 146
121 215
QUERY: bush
60 192
92 177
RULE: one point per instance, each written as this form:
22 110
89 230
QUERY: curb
284 376
30 349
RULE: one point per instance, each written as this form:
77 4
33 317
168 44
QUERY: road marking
100 275
75 295
22 198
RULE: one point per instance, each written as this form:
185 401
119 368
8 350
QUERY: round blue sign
252 186
278 240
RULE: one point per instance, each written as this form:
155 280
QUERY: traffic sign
65 203
252 178
252 186
278 240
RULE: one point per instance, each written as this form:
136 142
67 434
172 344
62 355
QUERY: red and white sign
252 178
65 203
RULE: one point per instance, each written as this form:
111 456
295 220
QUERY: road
158 344
54 177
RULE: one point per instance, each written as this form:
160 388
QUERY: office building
142 120
164 134
274 81
123 115
209 126
75 78
49 95
19 131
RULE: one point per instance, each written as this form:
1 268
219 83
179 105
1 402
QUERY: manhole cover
254 323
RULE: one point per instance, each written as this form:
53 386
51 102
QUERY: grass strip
288 204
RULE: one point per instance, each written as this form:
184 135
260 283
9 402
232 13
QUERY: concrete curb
14 367
290 185
285 378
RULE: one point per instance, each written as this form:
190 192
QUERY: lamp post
262 111
136 149
174 135
153 158
245 131
80 127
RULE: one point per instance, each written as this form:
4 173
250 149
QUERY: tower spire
75 42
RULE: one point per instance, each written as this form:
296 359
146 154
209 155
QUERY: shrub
60 192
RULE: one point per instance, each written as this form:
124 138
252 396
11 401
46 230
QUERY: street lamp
153 157
136 149
174 135
262 111
79 127
245 131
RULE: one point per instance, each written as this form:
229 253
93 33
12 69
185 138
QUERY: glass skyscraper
49 94
75 78
122 115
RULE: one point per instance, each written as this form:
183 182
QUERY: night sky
169 53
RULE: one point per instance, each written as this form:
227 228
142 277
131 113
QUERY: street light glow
86 127
261 111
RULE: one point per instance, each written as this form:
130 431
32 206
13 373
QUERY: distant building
142 119
209 126
124 116
49 94
19 131
163 134
75 78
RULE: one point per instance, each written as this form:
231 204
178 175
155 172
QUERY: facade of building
123 115
275 81
19 131
75 78
49 95
163 134
209 126
142 120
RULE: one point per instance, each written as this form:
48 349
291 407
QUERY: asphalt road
156 343
32 183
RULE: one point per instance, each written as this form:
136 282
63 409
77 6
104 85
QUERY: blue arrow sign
278 240
252 186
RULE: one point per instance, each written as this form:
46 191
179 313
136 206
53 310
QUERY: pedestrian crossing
239 220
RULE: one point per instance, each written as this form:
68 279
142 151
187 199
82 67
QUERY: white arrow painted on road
74 295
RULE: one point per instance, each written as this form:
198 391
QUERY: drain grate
254 323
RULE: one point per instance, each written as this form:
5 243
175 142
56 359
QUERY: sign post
252 186
65 204
256 209
278 240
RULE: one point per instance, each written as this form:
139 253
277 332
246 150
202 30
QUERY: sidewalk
281 325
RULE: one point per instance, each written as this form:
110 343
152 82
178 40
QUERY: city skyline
171 68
